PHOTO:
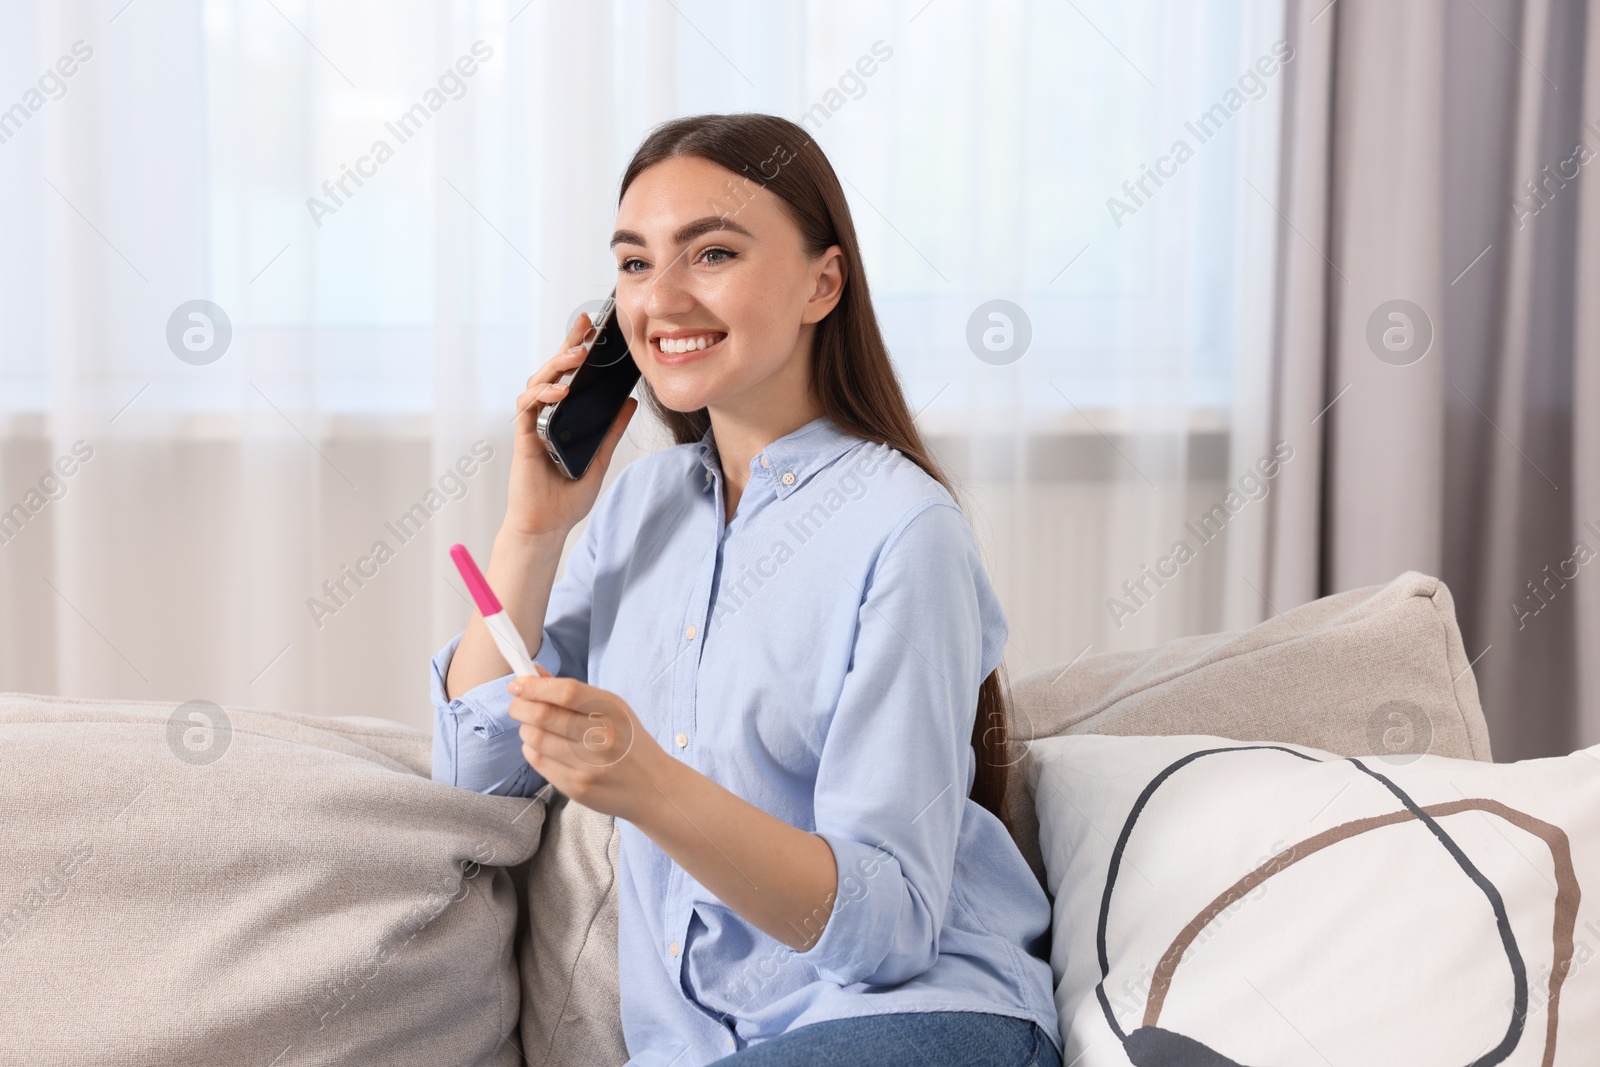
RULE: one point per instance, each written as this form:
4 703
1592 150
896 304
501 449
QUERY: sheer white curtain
398 207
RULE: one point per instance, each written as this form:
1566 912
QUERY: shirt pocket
732 969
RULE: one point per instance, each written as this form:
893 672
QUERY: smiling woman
831 869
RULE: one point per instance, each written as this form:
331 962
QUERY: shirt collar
791 460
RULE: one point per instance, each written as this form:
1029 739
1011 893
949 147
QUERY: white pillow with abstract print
1228 903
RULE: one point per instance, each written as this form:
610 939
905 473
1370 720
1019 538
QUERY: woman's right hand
541 500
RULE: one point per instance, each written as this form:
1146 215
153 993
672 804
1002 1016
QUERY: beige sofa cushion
567 946
288 890
1371 671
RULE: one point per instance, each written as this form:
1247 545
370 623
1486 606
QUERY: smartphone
573 427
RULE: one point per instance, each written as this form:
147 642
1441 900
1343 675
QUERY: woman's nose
666 295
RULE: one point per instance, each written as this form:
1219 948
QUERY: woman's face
716 290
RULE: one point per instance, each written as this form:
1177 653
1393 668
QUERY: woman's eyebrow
686 233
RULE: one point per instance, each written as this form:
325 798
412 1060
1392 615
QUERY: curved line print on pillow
1152 1046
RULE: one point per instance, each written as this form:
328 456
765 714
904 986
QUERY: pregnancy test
506 637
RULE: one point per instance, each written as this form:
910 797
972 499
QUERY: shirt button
689 633
788 477
674 948
765 463
682 740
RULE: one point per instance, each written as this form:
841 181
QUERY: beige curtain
1442 156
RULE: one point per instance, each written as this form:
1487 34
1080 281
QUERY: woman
775 651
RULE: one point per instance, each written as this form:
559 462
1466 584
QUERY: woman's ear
827 284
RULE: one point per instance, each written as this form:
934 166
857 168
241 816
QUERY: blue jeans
906 1039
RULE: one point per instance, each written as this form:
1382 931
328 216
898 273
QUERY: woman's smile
674 348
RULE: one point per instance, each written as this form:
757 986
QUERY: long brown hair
851 375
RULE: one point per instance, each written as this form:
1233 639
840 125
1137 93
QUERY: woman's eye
717 251
623 266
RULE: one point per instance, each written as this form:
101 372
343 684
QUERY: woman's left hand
587 742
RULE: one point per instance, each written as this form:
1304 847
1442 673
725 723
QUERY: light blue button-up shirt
820 657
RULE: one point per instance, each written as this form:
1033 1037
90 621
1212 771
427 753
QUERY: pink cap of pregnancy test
481 593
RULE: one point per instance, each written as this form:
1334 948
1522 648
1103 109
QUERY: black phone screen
602 382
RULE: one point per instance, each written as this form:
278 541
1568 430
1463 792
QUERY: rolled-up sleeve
897 762
476 745
475 741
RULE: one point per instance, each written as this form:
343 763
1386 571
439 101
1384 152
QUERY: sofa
226 885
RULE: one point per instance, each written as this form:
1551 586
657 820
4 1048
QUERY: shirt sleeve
476 745
897 762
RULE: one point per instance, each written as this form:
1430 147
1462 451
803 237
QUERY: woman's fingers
552 703
557 365
541 393
580 328
578 739
542 387
567 356
550 719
